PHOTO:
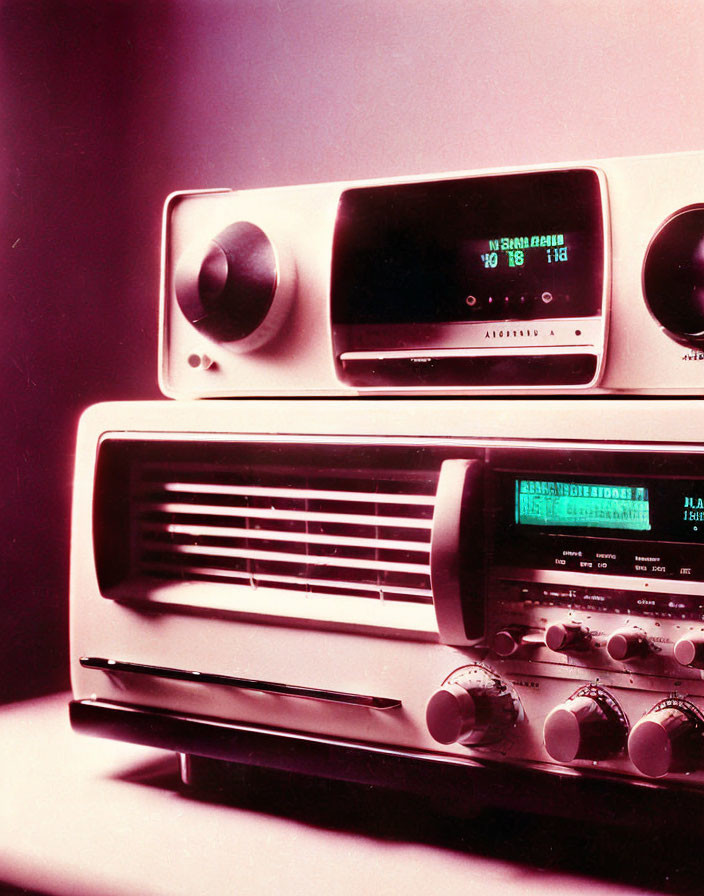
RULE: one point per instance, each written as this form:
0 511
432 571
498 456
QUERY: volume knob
589 725
473 706
667 739
234 290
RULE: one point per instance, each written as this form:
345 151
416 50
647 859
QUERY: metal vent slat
355 519
276 535
212 572
200 488
282 557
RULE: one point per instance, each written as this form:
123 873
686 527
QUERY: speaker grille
321 532
350 520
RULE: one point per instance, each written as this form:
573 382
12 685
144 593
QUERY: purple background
108 106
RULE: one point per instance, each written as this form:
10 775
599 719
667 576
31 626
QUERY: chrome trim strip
245 684
421 354
400 441
644 584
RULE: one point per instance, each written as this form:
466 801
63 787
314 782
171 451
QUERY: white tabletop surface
86 816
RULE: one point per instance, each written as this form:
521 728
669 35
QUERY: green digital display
589 505
514 251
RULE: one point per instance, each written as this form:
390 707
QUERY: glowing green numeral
557 254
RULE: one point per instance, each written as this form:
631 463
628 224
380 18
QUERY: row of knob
624 644
475 707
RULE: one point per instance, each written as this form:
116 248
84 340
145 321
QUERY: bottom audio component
508 589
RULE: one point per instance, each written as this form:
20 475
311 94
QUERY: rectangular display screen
508 247
586 505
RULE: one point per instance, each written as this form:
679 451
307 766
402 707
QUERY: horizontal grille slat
282 557
322 586
307 494
285 535
356 519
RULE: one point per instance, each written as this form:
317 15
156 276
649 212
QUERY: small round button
666 740
627 644
587 726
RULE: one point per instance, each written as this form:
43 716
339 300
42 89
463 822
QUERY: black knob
673 275
228 290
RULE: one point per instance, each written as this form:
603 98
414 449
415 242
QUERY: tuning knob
673 275
562 636
590 725
473 706
235 290
627 644
689 650
667 739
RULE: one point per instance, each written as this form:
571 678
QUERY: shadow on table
655 856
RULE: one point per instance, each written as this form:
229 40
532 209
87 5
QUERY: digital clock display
586 505
519 251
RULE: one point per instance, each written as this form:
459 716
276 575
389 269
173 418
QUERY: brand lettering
512 334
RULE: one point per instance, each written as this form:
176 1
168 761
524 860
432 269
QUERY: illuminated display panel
510 247
586 505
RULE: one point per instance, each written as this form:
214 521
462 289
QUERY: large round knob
590 725
627 644
689 650
673 275
562 636
234 290
473 706
667 739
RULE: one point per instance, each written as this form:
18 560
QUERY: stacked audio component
500 588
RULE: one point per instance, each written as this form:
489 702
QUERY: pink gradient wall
106 107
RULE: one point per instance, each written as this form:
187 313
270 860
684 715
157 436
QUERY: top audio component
586 277
461 586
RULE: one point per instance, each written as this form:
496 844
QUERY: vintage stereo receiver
583 277
408 592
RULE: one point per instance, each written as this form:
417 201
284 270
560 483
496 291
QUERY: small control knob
627 644
235 289
590 725
507 642
667 739
473 706
562 636
689 650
